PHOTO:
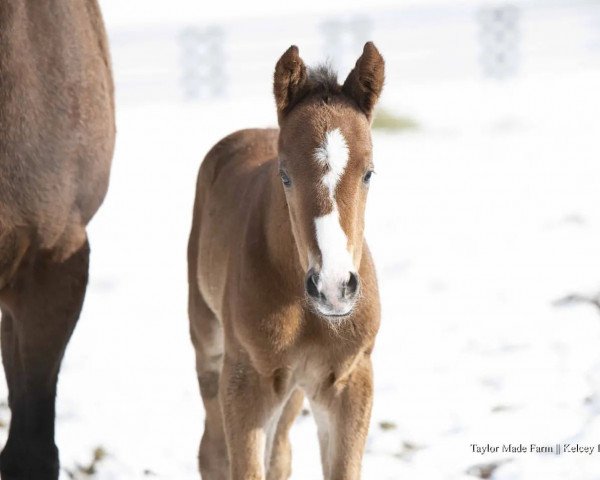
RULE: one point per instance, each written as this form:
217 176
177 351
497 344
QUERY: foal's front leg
248 402
345 411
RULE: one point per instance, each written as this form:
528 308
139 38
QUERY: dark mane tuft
322 80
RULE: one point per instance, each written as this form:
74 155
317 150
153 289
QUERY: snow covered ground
479 220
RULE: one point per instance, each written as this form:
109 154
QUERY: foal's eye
367 177
284 178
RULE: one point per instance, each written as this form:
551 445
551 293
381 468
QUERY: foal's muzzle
332 299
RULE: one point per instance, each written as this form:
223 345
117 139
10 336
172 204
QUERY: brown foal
283 298
56 142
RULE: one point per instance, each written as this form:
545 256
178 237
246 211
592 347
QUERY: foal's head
325 160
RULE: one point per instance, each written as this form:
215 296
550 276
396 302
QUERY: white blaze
336 261
333 153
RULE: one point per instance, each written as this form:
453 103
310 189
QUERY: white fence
421 44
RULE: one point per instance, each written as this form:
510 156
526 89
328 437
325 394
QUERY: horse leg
9 360
207 337
40 309
250 404
343 414
321 416
280 465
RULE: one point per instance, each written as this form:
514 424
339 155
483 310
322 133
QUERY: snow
479 221
144 12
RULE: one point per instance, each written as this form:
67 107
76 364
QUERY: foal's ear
365 81
289 80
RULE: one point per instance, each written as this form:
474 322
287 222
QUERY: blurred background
483 218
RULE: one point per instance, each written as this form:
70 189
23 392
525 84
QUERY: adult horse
283 299
56 143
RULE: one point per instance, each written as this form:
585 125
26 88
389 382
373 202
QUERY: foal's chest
316 370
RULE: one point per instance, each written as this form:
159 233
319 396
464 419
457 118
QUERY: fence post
499 39
203 62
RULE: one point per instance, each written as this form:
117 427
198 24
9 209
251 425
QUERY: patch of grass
502 408
385 425
389 121
485 470
408 450
86 471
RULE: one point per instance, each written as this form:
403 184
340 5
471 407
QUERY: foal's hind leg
207 337
280 466
40 309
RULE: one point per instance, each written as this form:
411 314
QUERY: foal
283 299
57 134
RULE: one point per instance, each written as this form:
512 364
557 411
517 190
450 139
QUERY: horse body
264 336
57 121
56 142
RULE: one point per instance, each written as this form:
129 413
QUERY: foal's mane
322 81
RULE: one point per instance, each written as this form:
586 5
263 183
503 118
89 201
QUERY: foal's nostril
312 280
351 286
